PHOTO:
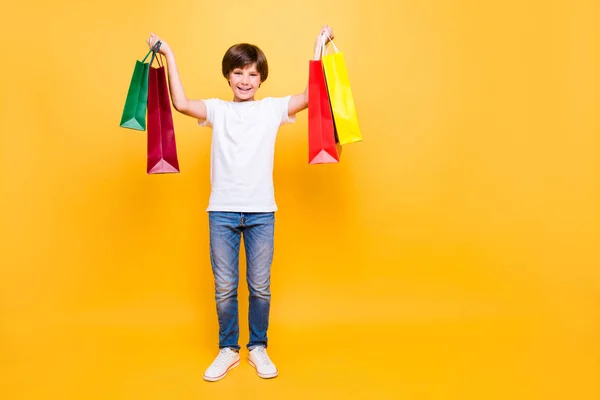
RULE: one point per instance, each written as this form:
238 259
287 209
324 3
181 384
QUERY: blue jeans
226 229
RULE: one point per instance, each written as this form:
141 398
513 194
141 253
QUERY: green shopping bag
134 113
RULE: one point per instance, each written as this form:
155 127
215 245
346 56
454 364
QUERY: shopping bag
340 96
134 112
322 146
162 150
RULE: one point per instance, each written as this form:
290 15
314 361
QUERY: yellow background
453 254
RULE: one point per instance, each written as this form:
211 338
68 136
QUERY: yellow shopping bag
340 96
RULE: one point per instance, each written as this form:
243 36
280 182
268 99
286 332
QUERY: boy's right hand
164 46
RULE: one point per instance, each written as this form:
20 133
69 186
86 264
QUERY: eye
237 72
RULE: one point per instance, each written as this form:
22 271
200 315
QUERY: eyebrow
252 71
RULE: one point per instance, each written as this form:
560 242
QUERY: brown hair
243 54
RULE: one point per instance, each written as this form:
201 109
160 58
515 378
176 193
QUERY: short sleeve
283 105
210 112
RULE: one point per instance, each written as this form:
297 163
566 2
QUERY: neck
238 100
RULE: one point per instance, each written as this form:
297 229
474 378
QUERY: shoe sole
264 376
217 378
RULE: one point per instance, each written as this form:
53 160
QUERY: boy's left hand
327 32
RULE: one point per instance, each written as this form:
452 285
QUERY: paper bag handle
324 44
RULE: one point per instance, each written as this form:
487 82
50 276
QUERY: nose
245 79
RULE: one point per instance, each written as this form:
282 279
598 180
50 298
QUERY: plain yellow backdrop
453 254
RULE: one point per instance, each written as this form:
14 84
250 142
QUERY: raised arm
193 108
299 102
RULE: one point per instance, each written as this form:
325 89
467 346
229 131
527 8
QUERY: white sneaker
260 360
226 360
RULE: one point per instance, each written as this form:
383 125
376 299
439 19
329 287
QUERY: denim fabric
226 230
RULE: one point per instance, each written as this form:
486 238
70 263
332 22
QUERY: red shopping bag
322 144
162 150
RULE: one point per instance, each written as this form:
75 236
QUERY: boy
242 198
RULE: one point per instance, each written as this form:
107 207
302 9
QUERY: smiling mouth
244 90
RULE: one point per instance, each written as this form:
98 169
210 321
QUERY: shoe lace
222 358
263 357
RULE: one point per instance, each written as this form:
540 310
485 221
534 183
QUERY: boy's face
244 82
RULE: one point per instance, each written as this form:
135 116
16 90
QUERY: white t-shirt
242 152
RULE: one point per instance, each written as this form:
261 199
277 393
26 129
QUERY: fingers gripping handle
324 39
155 50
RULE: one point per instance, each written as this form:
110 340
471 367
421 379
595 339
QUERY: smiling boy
242 201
